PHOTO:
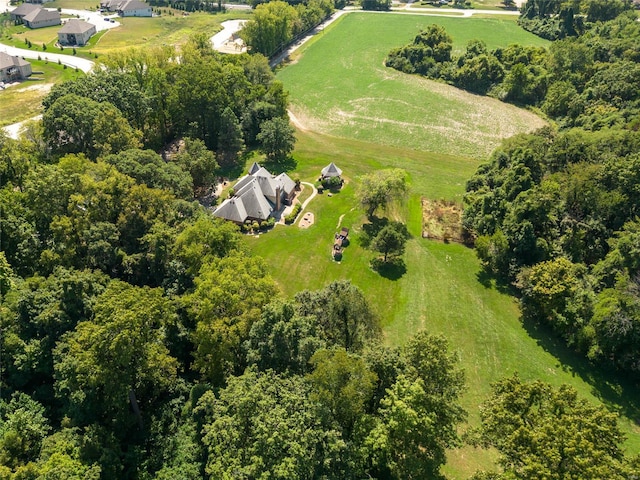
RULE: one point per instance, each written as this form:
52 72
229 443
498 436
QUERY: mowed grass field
341 87
442 288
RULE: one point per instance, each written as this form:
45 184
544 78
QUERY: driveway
96 18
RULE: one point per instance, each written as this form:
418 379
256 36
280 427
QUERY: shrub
289 219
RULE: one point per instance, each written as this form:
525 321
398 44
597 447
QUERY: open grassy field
342 87
442 289
24 101
166 29
396 120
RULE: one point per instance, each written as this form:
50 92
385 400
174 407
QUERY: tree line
585 81
555 211
274 25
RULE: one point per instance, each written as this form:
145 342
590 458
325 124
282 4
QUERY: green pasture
364 117
339 85
442 288
25 100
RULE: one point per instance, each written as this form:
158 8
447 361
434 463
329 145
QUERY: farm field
442 288
342 87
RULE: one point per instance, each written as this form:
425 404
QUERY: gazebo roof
331 171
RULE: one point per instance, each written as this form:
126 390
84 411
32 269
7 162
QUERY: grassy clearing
25 100
342 87
442 290
166 29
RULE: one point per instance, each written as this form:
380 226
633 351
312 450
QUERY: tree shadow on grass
392 269
617 391
286 165
490 281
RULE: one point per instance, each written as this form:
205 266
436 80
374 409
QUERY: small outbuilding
13 68
331 170
76 32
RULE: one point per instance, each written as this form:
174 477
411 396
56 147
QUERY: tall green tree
263 425
546 432
114 368
378 189
343 314
277 139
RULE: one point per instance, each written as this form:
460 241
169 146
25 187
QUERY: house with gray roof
76 32
18 13
258 195
42 18
13 68
127 8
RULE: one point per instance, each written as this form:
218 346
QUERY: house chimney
278 199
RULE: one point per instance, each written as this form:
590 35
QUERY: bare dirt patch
307 220
442 220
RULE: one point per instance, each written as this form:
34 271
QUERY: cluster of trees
557 19
556 213
377 192
274 25
149 98
584 81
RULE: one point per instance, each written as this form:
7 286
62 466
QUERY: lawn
342 87
25 100
442 290
442 287
133 32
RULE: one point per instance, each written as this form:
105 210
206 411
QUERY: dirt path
296 121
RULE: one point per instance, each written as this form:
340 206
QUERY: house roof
331 171
41 15
7 61
77 27
24 9
231 209
267 185
131 5
286 184
262 172
254 168
254 194
254 201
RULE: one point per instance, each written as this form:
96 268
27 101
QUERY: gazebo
331 171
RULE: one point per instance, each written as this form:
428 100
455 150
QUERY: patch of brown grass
442 220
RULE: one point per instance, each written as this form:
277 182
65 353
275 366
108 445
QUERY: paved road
74 62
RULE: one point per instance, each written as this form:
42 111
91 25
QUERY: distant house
42 18
76 32
257 196
127 8
13 68
331 171
18 13
38 1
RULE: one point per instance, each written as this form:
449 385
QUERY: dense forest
140 339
